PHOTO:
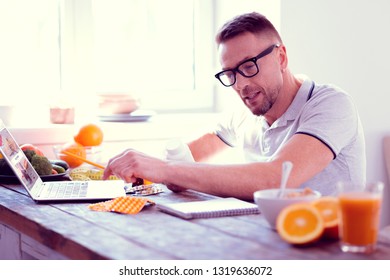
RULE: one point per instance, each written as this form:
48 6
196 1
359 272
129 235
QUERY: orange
89 135
74 148
328 208
300 224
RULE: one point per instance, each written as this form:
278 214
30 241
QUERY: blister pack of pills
144 190
123 204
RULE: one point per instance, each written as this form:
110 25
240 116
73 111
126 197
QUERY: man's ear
283 59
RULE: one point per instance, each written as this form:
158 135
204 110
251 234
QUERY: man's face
259 92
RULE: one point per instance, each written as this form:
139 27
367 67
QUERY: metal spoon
286 169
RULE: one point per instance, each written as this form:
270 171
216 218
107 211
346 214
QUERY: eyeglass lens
247 69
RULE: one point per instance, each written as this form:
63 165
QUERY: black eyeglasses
247 68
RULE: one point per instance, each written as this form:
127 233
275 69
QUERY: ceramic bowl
270 205
117 103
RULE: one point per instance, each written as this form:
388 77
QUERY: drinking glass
360 206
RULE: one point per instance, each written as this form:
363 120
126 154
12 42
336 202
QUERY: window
69 50
74 49
144 45
160 51
29 50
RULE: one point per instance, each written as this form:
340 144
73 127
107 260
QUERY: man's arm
207 146
308 155
202 150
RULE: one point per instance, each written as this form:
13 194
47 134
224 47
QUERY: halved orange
328 208
300 224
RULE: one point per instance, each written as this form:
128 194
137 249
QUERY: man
316 127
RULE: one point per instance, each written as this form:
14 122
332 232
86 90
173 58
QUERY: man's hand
130 165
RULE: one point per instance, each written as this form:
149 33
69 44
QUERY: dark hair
251 22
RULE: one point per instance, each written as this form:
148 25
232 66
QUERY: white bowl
117 103
270 205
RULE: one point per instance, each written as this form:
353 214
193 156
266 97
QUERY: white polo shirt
321 111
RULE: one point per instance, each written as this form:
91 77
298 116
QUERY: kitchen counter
149 136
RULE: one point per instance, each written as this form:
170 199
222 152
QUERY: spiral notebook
218 207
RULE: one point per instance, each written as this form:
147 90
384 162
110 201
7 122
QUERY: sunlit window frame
77 59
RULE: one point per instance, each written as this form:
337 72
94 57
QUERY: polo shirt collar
297 104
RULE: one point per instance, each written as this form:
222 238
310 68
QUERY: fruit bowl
270 204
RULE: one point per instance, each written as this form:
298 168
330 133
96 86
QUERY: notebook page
210 208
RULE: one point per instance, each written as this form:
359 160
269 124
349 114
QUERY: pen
83 159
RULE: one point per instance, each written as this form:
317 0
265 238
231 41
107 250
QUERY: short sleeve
231 125
330 116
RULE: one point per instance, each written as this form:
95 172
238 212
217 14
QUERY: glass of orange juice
360 206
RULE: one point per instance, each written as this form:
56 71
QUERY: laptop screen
17 160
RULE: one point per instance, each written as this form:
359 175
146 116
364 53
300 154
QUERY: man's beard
267 103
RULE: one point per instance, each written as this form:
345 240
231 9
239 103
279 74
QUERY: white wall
347 43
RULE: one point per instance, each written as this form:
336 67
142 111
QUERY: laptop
51 191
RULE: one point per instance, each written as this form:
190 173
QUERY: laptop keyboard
65 190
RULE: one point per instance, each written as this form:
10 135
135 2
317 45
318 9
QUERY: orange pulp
328 207
300 224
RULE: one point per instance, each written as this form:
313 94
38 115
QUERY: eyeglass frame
236 70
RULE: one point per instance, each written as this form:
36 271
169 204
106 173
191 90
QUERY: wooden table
72 231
